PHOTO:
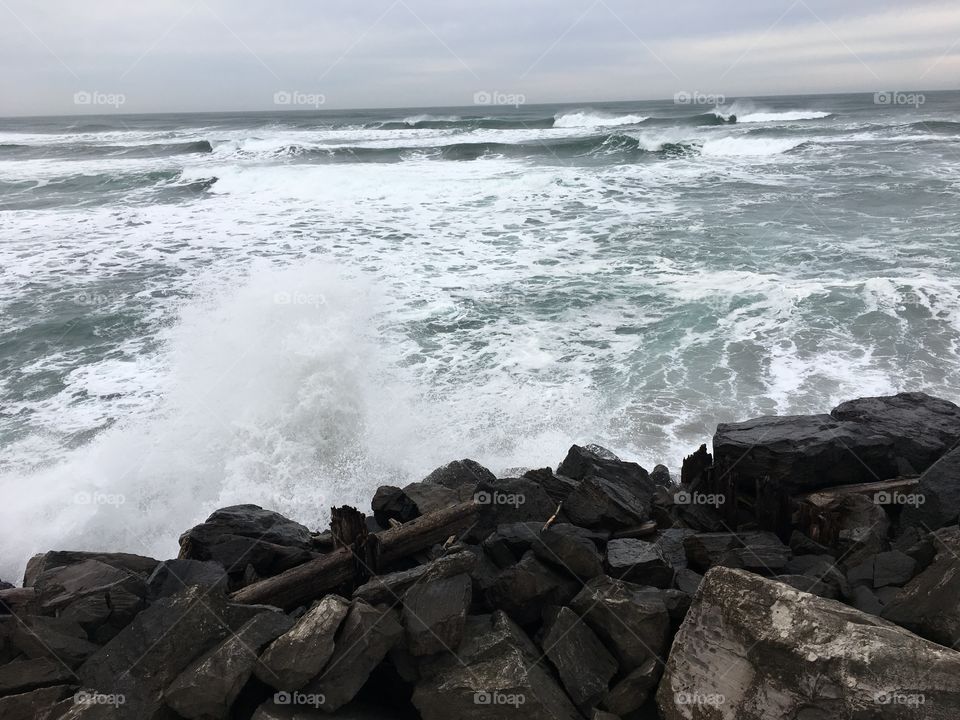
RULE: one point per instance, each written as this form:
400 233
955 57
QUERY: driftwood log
357 558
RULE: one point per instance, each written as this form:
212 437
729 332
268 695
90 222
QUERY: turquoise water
292 308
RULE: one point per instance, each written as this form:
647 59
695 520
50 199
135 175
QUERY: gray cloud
189 55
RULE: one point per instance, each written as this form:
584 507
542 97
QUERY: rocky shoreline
807 567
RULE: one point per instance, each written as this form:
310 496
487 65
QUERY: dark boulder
638 561
525 589
758 551
389 589
244 535
35 705
45 562
610 493
860 441
632 621
172 576
510 500
463 476
660 476
583 663
301 653
630 693
56 639
572 549
508 543
936 500
24 675
434 613
893 568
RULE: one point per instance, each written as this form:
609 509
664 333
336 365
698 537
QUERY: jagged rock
391 503
209 686
24 675
5 585
526 588
927 605
753 649
53 638
610 494
34 705
19 601
494 674
937 496
660 476
863 598
172 576
631 620
822 568
859 442
862 530
507 544
638 561
695 467
584 665
557 487
572 549
462 476
149 653
427 497
367 635
389 589
632 692
244 535
300 654
434 613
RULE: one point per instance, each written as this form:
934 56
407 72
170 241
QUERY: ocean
292 308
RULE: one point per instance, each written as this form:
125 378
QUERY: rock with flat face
758 551
638 561
300 654
860 441
244 535
510 500
893 568
132 564
936 500
24 675
53 638
434 613
367 635
583 663
507 544
496 673
390 588
172 576
463 476
632 621
630 693
928 604
571 549
209 686
755 649
525 589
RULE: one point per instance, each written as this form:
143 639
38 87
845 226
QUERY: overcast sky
212 55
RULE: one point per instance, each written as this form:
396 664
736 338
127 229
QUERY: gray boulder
937 496
754 649
631 620
525 589
390 588
300 654
570 548
630 693
434 613
638 561
172 576
610 493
